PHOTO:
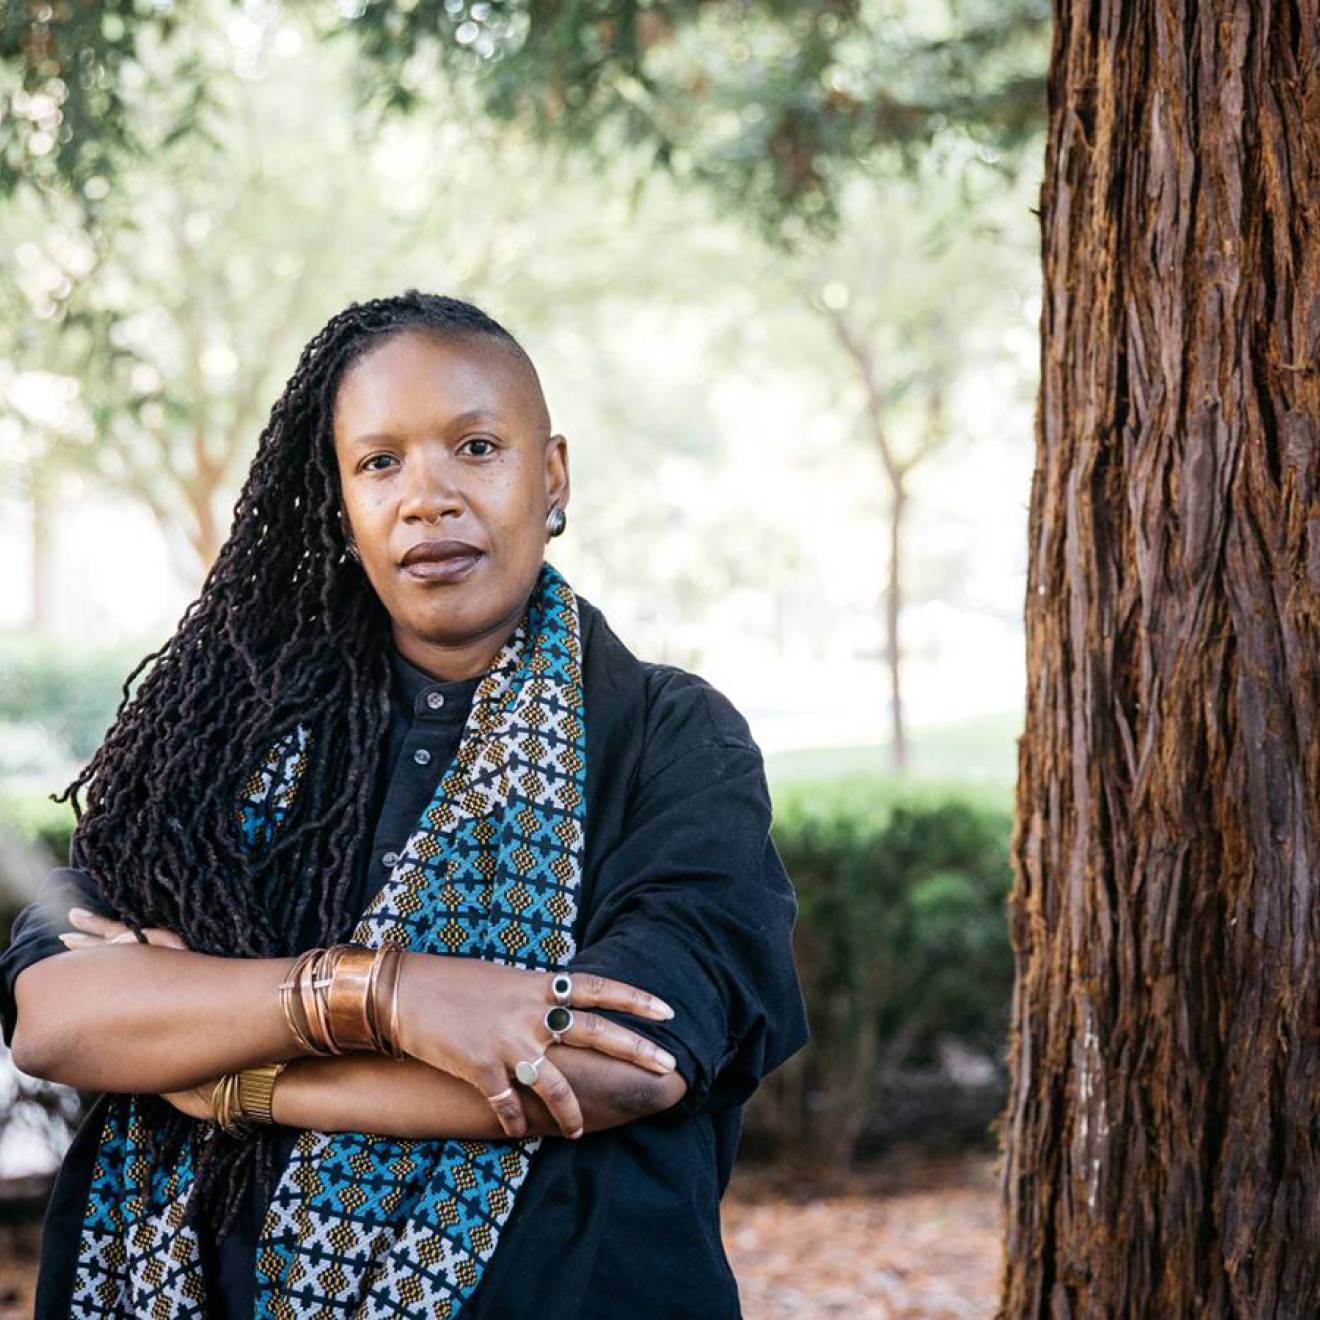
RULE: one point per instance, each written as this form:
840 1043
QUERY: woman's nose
431 490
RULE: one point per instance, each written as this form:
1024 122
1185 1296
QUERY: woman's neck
446 661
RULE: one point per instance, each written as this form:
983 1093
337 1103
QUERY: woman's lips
450 569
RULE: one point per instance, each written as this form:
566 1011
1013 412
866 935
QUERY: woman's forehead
423 379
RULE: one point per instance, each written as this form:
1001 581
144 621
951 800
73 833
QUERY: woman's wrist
405 990
283 1099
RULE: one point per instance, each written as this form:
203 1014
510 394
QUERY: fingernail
666 1058
662 1008
79 912
573 1136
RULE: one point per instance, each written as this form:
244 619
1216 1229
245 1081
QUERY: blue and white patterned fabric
359 1224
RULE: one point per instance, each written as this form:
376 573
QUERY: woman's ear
349 543
556 470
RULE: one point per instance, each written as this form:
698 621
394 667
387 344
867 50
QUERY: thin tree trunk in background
862 356
41 545
1162 1154
893 612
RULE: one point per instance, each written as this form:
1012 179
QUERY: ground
905 1239
901 1240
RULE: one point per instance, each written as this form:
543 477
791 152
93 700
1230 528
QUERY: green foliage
61 89
72 692
902 937
37 820
765 103
902 906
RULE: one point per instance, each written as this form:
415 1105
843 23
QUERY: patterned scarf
363 1225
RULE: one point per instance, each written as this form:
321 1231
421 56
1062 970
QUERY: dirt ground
906 1239
902 1240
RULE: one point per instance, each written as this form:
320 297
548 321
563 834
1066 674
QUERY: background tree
913 292
1161 1135
174 315
762 103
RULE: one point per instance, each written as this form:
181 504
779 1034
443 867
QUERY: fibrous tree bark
1161 1140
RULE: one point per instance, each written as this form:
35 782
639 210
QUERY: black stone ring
557 1021
562 987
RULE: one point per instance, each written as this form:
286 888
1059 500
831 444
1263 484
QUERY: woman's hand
476 1020
195 1101
94 929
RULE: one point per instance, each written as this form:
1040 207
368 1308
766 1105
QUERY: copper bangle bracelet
243 1099
340 991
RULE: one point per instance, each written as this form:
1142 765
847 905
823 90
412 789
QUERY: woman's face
443 440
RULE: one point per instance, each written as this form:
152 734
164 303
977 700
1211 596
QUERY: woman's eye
368 462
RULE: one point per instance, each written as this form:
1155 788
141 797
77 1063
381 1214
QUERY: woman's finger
165 938
75 939
593 1032
94 928
505 1101
593 991
557 1096
95 924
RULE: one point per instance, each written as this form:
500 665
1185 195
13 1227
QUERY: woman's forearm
142 1018
408 1098
136 1017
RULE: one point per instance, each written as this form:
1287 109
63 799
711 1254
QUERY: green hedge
902 937
71 692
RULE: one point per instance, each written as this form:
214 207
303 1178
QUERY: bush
901 943
40 821
71 692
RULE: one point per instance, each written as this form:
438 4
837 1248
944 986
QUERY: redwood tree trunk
1162 1147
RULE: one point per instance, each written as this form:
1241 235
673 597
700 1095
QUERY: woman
390 731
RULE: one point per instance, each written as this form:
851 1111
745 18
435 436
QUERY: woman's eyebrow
463 419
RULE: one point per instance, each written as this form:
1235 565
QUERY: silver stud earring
555 521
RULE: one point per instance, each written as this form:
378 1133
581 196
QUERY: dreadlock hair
286 631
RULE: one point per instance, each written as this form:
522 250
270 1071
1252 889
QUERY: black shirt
682 893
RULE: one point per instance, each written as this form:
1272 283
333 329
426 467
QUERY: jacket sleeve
694 905
36 929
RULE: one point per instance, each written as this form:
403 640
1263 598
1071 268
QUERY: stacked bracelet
333 999
243 1099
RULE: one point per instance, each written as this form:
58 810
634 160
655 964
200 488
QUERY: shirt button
389 858
422 756
435 700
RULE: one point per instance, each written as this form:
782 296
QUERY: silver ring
508 1090
526 1072
561 1016
562 988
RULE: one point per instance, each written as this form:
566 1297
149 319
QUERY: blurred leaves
768 104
